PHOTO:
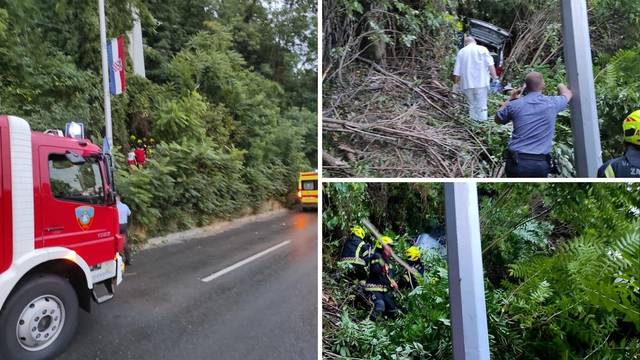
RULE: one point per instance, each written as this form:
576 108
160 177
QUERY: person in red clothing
141 156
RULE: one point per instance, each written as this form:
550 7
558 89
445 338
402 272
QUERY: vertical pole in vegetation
584 115
136 51
105 74
466 288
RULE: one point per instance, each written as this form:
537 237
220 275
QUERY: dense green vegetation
229 97
416 41
561 271
537 45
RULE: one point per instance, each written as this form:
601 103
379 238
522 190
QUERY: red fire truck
58 237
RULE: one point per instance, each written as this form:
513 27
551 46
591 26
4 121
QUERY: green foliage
617 97
612 23
561 272
181 118
423 331
277 41
229 98
185 185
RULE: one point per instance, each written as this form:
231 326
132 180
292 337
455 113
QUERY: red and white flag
115 58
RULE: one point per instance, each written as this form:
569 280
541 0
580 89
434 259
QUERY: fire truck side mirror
74 158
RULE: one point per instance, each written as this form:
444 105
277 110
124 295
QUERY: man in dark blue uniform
355 254
628 165
534 120
379 285
409 280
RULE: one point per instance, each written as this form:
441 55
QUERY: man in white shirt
474 65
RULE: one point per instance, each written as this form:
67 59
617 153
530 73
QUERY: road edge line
243 262
210 230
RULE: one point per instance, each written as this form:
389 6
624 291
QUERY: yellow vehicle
308 189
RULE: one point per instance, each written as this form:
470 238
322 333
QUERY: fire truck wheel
39 319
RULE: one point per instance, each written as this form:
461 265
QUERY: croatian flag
115 58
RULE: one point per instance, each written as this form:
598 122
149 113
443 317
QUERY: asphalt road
265 309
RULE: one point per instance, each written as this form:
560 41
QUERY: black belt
516 156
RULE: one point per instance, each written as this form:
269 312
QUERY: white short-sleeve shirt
472 66
123 212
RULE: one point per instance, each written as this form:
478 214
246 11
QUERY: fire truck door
75 215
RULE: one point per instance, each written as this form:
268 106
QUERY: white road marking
244 262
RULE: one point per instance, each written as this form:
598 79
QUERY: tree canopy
229 96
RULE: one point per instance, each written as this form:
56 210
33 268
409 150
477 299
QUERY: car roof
488 33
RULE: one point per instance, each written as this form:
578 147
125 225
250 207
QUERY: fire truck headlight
74 130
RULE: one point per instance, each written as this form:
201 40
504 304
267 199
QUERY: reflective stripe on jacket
378 279
627 166
355 248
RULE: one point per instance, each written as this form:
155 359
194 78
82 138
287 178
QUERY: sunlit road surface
202 299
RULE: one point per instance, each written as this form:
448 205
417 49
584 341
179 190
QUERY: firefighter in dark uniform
355 254
410 280
379 285
628 165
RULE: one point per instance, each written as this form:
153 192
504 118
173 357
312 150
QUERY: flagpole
105 75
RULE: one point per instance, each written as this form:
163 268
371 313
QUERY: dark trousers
383 304
527 168
124 230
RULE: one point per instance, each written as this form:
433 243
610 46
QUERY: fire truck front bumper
112 269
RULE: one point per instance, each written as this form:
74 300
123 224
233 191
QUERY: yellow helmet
412 253
384 240
631 128
358 231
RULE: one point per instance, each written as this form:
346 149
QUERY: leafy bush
560 264
185 185
617 97
229 134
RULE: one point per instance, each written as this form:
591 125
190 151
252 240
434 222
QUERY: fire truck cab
58 237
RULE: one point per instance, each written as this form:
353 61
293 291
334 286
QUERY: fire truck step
108 285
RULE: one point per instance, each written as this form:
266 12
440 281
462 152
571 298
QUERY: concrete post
466 287
584 115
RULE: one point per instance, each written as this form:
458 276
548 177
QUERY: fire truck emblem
84 215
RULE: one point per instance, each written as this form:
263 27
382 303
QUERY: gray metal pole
584 115
466 288
136 51
105 75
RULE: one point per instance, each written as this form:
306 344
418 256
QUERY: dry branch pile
386 123
330 318
538 40
395 116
